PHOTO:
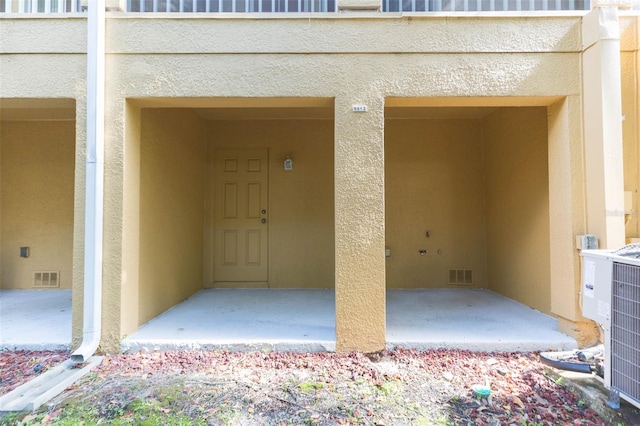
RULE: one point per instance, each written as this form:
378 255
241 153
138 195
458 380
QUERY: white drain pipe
92 310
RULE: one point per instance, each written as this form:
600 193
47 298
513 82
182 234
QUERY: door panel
240 219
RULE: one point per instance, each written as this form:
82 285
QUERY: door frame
209 221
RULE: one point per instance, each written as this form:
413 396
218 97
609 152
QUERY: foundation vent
46 279
460 276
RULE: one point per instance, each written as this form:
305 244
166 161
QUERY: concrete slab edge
4 347
329 346
486 346
31 395
168 346
6 401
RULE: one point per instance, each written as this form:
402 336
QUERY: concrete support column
120 218
77 299
603 127
359 225
567 217
114 245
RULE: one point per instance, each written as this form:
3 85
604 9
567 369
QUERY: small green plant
389 387
310 386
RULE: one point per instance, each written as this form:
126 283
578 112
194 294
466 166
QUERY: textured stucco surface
517 191
130 275
171 209
37 34
359 195
350 58
331 33
36 200
629 68
34 75
630 126
434 181
358 4
566 204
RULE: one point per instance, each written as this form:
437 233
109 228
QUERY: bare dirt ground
400 387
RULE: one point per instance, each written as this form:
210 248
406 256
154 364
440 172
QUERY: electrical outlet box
586 242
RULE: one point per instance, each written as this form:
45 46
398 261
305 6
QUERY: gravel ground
264 388
20 366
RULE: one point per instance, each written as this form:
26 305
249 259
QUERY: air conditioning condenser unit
611 298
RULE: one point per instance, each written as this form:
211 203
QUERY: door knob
264 220
264 211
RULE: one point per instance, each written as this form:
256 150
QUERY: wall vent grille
625 330
46 279
461 276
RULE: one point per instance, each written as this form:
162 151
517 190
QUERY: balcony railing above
232 6
298 6
40 6
482 5
240 6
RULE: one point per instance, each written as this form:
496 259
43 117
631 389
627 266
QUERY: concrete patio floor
35 319
296 320
304 320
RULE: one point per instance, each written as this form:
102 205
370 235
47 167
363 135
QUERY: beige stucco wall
45 58
517 191
481 187
365 61
171 209
210 63
434 181
630 129
36 200
301 231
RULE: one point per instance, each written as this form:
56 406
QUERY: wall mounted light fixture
288 164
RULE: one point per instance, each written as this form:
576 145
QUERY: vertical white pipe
602 100
92 310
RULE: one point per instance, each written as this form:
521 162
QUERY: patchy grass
263 388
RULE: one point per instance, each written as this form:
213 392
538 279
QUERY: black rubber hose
551 359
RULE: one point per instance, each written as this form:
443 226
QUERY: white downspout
92 309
